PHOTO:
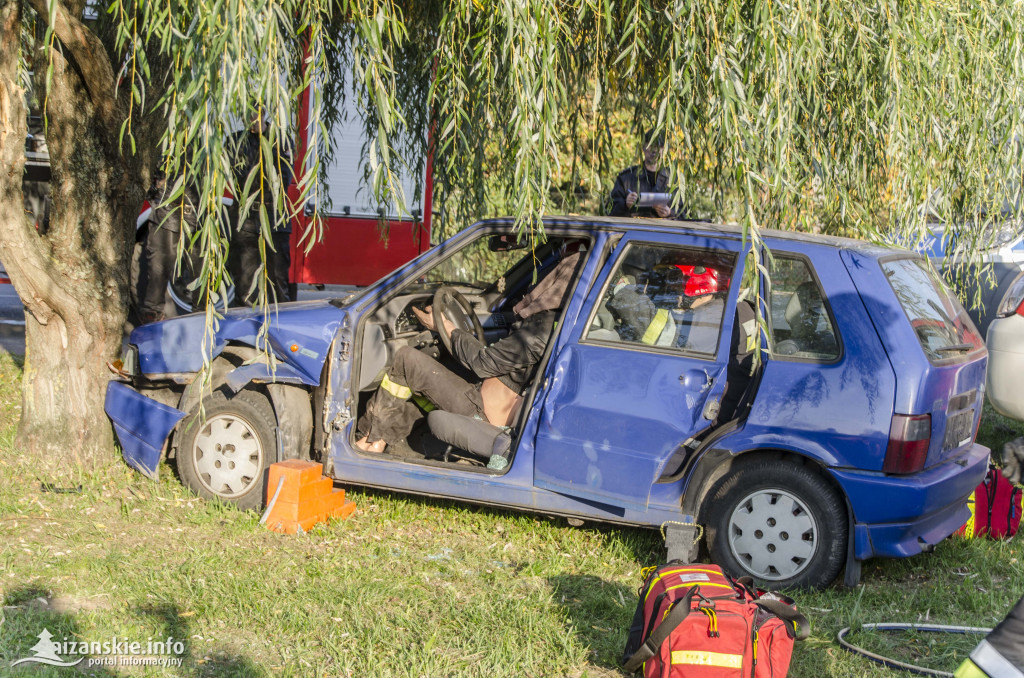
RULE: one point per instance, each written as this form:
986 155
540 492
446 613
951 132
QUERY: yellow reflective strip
424 403
701 584
696 658
656 327
397 390
969 670
750 328
969 527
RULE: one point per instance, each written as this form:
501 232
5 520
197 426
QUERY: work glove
1013 460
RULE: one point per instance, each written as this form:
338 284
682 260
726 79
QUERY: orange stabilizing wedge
305 497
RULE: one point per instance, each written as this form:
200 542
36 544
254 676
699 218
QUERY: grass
406 587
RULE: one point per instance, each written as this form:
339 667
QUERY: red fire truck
352 251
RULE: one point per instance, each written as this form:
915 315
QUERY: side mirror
505 243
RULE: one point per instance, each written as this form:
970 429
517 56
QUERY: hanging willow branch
868 119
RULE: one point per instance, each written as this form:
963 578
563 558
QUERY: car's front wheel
780 523
225 450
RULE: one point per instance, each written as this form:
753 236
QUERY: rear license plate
958 430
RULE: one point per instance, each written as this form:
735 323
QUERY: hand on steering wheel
449 305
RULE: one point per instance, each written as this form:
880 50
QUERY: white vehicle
1004 244
1003 253
1005 342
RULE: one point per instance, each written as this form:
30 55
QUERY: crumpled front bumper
142 426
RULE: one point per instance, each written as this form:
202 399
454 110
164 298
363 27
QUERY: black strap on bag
653 643
801 627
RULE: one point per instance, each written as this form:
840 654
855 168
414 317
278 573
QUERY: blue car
852 437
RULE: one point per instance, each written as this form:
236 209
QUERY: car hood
298 333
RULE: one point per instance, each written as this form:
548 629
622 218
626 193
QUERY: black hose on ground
896 664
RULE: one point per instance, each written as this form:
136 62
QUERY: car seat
804 313
638 320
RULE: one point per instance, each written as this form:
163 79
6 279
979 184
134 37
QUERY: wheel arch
292 403
721 466
711 470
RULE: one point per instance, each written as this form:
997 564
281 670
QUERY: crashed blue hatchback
852 437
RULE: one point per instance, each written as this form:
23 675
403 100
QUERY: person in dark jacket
637 180
244 256
160 250
504 369
1001 654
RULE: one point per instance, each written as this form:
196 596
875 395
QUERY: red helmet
700 280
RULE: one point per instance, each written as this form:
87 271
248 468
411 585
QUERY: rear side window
801 323
939 321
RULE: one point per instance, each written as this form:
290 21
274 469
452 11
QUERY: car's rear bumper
899 516
1005 365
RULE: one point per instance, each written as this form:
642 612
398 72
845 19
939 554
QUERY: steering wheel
449 302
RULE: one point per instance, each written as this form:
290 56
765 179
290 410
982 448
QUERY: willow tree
861 118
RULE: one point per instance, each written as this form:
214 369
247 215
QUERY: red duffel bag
694 621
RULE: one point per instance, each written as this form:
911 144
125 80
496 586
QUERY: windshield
939 321
475 265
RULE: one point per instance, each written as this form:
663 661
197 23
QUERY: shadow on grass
645 545
33 621
599 615
18 359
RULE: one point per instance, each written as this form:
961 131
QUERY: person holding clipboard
642 190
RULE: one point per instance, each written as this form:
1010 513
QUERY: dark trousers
282 262
391 417
159 255
244 263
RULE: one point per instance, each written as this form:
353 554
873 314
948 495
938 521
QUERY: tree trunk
73 279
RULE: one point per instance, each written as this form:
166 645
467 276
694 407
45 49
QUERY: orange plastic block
300 494
296 512
296 473
344 511
306 498
332 501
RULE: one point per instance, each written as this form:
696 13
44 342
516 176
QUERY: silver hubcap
228 455
772 534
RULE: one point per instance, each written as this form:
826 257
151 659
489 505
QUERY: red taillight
909 437
1020 309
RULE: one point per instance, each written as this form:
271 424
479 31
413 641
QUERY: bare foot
366 446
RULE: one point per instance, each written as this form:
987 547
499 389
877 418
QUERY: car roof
635 225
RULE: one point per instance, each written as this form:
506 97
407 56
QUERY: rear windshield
938 319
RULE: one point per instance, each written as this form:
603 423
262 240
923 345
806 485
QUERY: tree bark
73 279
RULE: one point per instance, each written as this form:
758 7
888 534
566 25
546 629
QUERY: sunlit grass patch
405 587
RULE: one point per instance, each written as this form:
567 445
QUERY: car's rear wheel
779 522
225 451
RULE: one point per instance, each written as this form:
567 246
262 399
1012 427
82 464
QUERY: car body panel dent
237 378
142 426
169 347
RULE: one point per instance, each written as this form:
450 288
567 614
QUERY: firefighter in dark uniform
504 369
244 254
648 177
1001 654
169 217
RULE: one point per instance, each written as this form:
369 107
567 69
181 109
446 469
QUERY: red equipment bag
995 508
695 621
